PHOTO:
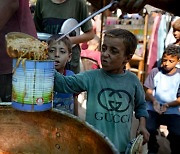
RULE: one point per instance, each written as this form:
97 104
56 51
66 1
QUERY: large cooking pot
49 132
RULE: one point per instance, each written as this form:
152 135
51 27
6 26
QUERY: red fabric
84 46
25 19
21 21
152 57
95 55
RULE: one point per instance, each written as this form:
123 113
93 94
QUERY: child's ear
128 58
70 57
179 61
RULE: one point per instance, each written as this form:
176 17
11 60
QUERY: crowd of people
113 93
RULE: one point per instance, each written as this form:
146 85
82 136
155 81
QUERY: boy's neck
171 71
177 42
62 71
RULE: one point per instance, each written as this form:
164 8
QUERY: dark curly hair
176 24
172 50
128 38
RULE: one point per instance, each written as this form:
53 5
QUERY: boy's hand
142 130
164 107
157 107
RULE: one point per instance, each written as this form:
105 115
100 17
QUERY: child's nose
56 54
106 53
167 63
175 32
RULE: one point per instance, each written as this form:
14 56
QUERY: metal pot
49 132
43 36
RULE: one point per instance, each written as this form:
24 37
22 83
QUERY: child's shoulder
131 74
178 70
155 70
90 73
159 70
68 73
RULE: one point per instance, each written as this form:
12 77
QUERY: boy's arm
150 97
142 129
149 87
132 6
173 103
170 104
141 111
7 10
140 107
85 37
70 84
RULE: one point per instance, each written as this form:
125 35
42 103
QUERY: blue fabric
165 88
62 101
171 121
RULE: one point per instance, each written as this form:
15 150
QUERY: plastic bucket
32 85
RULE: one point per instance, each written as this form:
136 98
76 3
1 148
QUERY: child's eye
104 48
171 61
62 51
114 51
51 50
164 60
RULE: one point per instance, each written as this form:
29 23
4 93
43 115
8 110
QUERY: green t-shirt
49 18
111 100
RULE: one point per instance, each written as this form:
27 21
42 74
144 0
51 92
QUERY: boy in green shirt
113 93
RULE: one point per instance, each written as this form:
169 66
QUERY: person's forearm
149 96
134 6
7 10
142 122
173 103
142 129
85 37
166 5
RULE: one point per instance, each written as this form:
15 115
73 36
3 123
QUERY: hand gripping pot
135 145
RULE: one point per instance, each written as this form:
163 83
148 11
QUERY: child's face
176 34
59 52
169 62
113 57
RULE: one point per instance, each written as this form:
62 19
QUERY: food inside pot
20 45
